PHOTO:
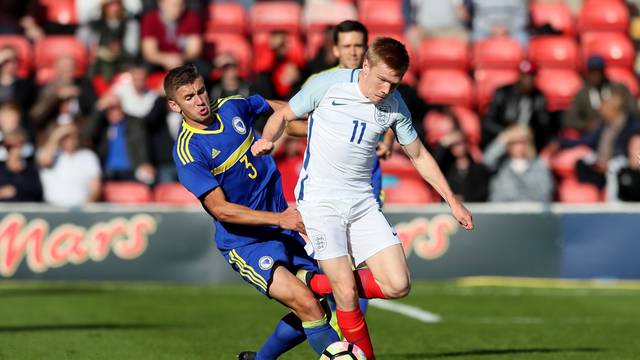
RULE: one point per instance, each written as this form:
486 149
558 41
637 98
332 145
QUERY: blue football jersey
220 156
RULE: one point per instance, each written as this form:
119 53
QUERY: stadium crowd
517 100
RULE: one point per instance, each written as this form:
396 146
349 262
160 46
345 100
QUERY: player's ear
336 53
174 106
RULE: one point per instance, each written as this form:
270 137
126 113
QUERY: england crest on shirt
238 125
383 114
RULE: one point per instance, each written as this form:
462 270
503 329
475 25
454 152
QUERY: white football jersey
343 133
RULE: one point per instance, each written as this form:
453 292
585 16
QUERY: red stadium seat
227 17
318 15
572 191
554 52
617 49
487 81
399 165
126 192
235 44
444 86
564 162
497 53
61 12
23 50
263 56
444 53
276 15
174 194
408 190
49 48
624 76
556 14
437 125
603 15
290 169
315 41
558 86
381 15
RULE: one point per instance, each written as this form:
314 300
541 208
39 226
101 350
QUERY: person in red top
171 35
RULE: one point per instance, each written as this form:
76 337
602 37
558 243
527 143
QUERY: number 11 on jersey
363 125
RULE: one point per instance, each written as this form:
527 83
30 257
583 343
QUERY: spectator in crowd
19 180
623 173
70 175
229 83
171 36
607 141
22 17
63 99
10 121
521 103
279 69
469 180
521 174
162 126
136 98
89 11
110 60
120 141
326 57
113 24
444 18
583 113
500 18
12 87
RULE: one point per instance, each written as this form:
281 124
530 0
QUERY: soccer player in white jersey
349 111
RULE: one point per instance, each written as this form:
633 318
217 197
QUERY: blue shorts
256 262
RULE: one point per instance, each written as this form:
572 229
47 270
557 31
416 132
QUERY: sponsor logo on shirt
334 103
214 153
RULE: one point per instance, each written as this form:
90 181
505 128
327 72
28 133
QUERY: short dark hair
182 75
390 51
349 26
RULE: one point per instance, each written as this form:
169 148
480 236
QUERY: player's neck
199 125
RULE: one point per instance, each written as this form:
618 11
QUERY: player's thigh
339 271
291 292
370 234
389 268
326 230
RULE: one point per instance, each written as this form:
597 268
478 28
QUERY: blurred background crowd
517 100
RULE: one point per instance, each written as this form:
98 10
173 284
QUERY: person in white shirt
70 176
350 109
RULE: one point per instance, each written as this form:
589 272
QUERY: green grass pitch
156 321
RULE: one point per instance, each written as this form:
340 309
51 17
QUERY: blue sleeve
195 176
257 105
308 98
402 126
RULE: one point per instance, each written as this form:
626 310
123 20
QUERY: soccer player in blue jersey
255 230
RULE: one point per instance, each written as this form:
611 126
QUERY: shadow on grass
72 327
488 352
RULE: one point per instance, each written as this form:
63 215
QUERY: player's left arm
431 173
273 130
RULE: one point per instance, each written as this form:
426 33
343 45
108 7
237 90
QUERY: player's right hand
261 147
291 219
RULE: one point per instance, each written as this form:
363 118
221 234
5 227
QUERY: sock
368 288
319 334
287 335
364 304
355 330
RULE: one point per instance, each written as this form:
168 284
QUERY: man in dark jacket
519 104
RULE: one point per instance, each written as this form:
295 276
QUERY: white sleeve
309 97
402 126
92 164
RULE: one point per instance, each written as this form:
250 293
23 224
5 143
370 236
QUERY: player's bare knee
307 307
346 296
397 289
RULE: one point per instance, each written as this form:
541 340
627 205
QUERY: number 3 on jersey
363 126
248 165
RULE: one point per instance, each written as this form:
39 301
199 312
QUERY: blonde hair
390 51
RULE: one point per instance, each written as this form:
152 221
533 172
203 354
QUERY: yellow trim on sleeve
235 156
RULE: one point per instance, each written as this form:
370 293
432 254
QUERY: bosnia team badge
238 125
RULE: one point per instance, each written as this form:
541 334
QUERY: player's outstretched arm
273 130
431 173
228 212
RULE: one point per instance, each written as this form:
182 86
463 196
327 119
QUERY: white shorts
338 228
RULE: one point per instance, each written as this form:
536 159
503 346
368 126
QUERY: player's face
350 49
192 101
379 80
